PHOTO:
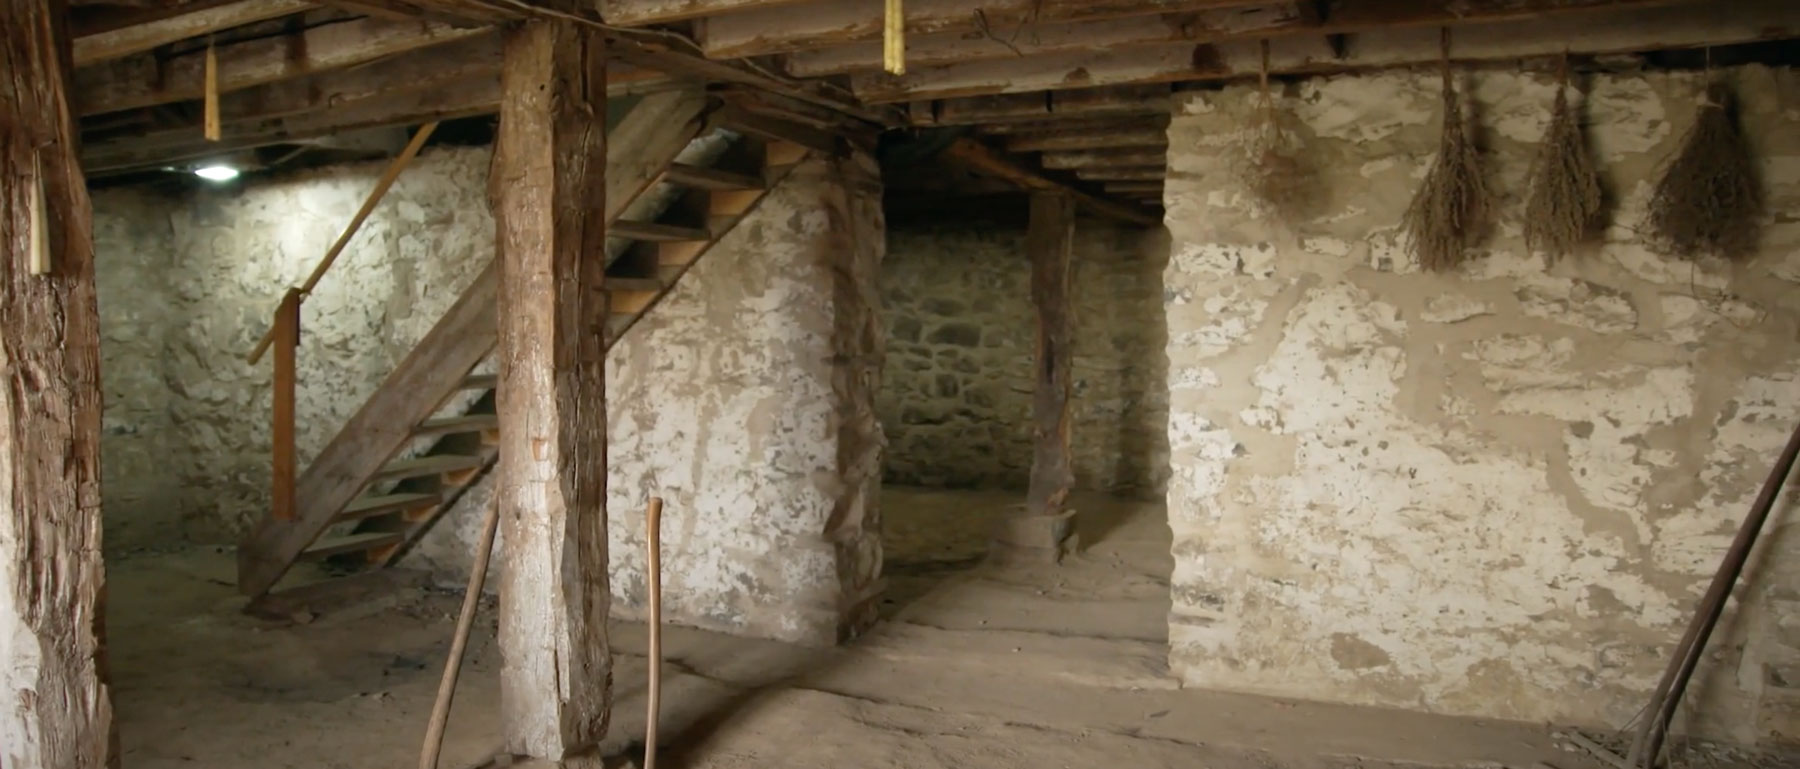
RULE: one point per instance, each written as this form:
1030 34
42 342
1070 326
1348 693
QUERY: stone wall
956 402
745 400
1495 492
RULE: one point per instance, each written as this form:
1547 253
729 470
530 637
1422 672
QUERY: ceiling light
216 173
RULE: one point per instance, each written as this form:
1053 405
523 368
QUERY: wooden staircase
366 497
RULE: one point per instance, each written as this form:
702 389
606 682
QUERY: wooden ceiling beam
1134 188
1140 174
1132 138
137 38
1204 27
980 158
637 13
1655 28
785 29
1087 159
1077 125
145 80
1019 107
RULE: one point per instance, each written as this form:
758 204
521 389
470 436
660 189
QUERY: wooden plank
1142 174
1651 27
637 13
1089 102
1049 244
1134 188
56 712
145 80
1137 138
982 159
351 543
658 232
287 347
1075 125
137 38
555 677
1070 161
763 31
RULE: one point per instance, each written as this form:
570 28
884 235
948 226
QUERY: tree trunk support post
548 190
57 713
1044 530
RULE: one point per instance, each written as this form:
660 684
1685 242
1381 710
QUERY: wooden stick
212 130
893 39
440 711
38 244
287 337
1667 697
653 538
356 222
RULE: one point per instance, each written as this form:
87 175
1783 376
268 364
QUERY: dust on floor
971 667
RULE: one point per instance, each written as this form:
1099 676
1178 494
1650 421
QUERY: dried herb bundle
1270 168
1447 214
1564 209
1708 201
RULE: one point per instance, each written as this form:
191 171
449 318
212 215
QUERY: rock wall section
956 402
1497 492
745 400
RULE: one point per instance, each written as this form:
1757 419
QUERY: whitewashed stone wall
1497 492
956 401
746 400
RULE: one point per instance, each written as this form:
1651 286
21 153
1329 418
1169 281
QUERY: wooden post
54 709
287 343
549 190
1042 531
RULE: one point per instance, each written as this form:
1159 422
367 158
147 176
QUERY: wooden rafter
137 38
637 13
1018 107
1077 160
982 159
1683 26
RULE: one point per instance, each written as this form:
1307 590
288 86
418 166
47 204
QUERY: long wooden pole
1667 697
284 470
653 537
356 222
440 710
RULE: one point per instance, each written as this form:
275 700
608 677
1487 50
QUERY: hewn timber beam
637 13
982 159
1013 107
55 708
1124 174
1119 138
1075 161
1205 27
143 80
1687 26
1076 125
764 31
550 167
138 38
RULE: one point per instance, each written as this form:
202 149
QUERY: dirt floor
972 667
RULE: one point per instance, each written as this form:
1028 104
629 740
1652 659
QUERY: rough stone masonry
1497 492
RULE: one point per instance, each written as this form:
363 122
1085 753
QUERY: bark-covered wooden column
1043 530
549 189
56 713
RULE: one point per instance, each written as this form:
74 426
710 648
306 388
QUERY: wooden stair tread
633 284
368 507
704 178
468 423
350 543
656 232
434 464
480 382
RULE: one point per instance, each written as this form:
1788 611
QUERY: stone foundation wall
961 328
1495 492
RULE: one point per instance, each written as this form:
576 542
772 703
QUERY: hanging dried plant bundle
1564 208
1708 201
1271 168
1445 217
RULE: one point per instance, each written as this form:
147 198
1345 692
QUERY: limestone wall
1497 492
956 401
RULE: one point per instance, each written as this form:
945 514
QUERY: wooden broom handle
653 541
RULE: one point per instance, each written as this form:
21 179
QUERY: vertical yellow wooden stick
893 39
39 246
213 131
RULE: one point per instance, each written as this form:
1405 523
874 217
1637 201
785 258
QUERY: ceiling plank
1203 27
138 38
143 80
1135 138
1691 26
1086 159
637 13
983 159
786 29
1139 174
1134 188
1077 125
1003 108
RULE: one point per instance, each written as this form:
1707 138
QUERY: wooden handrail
287 341
356 222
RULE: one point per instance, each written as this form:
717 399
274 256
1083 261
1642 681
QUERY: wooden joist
137 38
1080 159
786 29
1645 28
145 80
1118 138
637 13
1017 107
984 160
1140 174
1076 125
